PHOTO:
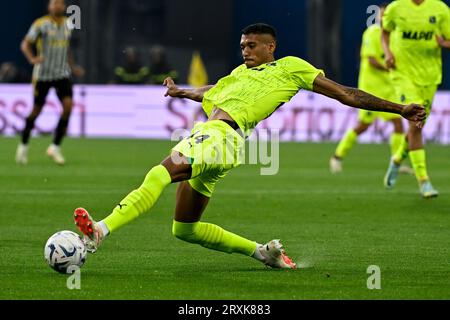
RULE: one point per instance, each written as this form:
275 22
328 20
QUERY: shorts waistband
233 125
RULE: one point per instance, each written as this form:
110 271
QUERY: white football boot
427 191
22 154
390 179
54 152
275 256
335 165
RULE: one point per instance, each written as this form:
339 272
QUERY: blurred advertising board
144 112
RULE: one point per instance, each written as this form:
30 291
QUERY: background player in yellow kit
235 105
374 79
410 30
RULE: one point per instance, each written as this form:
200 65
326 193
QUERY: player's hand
78 71
37 60
415 113
390 61
442 42
172 89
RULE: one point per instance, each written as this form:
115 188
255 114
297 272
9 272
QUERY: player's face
257 49
57 7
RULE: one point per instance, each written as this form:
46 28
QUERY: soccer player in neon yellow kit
235 105
413 33
374 79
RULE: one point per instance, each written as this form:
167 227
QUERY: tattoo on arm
354 97
360 99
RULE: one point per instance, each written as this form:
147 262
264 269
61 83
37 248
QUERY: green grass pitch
334 226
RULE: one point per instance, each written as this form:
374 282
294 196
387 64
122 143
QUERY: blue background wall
15 19
288 16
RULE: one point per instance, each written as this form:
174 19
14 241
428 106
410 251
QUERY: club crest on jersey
433 20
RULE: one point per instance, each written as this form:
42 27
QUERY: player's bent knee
185 231
178 167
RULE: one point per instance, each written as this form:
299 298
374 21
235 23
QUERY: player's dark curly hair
260 28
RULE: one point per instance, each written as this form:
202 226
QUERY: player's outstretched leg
135 204
187 227
190 206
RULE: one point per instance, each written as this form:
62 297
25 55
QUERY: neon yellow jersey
250 95
371 79
413 30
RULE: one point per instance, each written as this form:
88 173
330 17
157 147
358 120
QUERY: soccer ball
64 250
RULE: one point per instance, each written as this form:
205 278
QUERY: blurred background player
413 33
53 66
160 68
374 79
132 71
11 73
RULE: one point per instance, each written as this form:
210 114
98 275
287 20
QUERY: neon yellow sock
346 144
140 200
396 141
402 152
213 237
418 161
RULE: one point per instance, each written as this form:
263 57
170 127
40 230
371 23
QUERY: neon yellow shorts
387 93
213 149
408 92
368 117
